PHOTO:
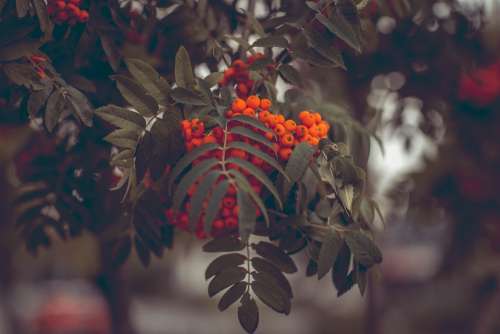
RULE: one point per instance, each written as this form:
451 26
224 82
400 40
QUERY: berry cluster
63 11
283 134
239 75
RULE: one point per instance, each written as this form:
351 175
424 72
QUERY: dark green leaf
271 295
189 179
123 138
258 153
340 27
38 99
142 251
239 130
363 248
328 253
247 216
257 173
213 78
22 7
183 70
301 157
248 314
136 95
43 17
223 262
188 96
271 41
214 204
232 295
312 268
324 47
22 48
54 109
121 251
250 121
290 74
122 117
80 105
264 266
276 256
223 244
341 267
199 196
149 78
225 279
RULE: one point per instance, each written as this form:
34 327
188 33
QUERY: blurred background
430 78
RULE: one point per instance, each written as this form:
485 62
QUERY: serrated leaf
239 130
247 216
38 99
183 69
232 295
328 253
214 203
250 121
121 117
271 41
187 159
324 47
223 244
189 179
248 314
258 153
277 256
341 267
54 110
297 164
225 279
149 78
80 105
188 96
264 266
136 95
290 74
242 183
340 27
257 173
363 248
199 196
123 138
271 295
167 138
223 262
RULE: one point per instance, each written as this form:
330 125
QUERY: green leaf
339 26
187 159
271 41
290 74
123 158
137 96
149 78
80 105
223 244
223 262
232 295
378 211
19 49
341 268
277 256
225 279
121 251
250 121
188 96
328 253
255 24
247 216
22 7
361 278
142 251
54 109
123 138
248 314
214 204
213 78
363 248
184 76
297 164
167 138
264 266
324 47
201 193
38 99
43 17
259 175
243 184
258 153
239 130
260 64
271 295
189 179
121 117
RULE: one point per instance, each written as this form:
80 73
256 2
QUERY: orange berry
253 101
264 116
185 124
265 104
317 117
229 113
218 224
229 73
287 140
269 135
239 65
303 115
188 134
231 190
237 153
249 112
313 141
314 131
301 131
280 119
306 138
239 105
290 125
231 223
209 139
196 142
280 129
229 202
285 153
236 211
308 120
242 90
323 129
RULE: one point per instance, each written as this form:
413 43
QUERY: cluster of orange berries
69 11
283 134
238 74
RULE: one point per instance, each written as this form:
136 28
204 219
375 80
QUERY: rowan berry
60 5
280 129
236 210
280 119
218 224
249 112
317 117
239 65
231 222
253 102
301 131
303 115
287 140
238 105
242 90
209 139
229 202
264 116
269 135
290 125
323 128
308 120
285 153
313 141
197 142
314 131
265 104
227 212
